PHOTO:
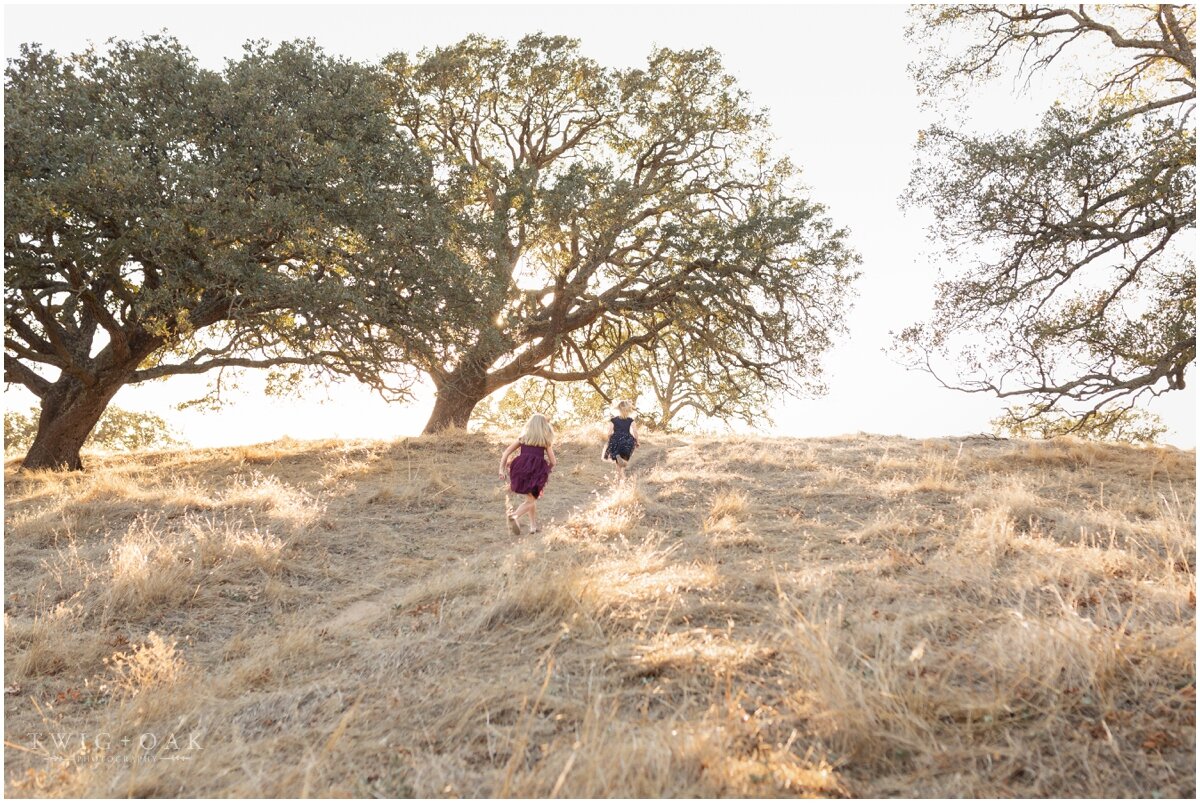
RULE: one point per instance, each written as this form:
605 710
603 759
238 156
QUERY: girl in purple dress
530 470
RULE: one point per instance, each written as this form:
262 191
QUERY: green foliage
1074 278
482 212
680 387
600 210
126 429
163 219
564 403
673 384
1128 425
19 429
118 429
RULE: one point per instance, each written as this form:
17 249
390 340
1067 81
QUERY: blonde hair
624 408
538 431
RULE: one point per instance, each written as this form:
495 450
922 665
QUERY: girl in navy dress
530 470
622 437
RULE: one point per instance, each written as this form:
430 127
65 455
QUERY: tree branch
21 374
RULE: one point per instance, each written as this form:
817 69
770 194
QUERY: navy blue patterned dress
621 443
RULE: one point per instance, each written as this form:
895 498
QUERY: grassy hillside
863 616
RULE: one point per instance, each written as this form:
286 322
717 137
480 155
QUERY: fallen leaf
918 652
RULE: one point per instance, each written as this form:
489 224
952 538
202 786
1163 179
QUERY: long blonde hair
538 432
624 408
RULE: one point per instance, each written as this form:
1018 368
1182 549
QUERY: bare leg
533 525
521 510
514 527
621 462
528 506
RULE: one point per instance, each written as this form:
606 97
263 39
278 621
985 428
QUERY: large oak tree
1074 284
164 219
599 208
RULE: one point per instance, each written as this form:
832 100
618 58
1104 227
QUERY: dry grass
858 616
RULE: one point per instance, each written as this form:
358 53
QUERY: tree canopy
596 210
481 213
1083 300
164 219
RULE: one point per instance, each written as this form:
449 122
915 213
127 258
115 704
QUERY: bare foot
513 527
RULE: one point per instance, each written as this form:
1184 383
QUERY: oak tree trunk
455 401
450 412
69 413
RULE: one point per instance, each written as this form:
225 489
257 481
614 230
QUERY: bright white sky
834 79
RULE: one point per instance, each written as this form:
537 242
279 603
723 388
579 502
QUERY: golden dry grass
858 616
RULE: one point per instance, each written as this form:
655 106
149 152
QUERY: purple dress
529 472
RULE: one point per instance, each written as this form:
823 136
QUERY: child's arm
550 456
633 430
504 457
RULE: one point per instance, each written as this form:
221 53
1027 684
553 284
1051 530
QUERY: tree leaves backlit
599 210
1084 300
162 219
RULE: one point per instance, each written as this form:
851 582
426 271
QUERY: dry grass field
857 616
